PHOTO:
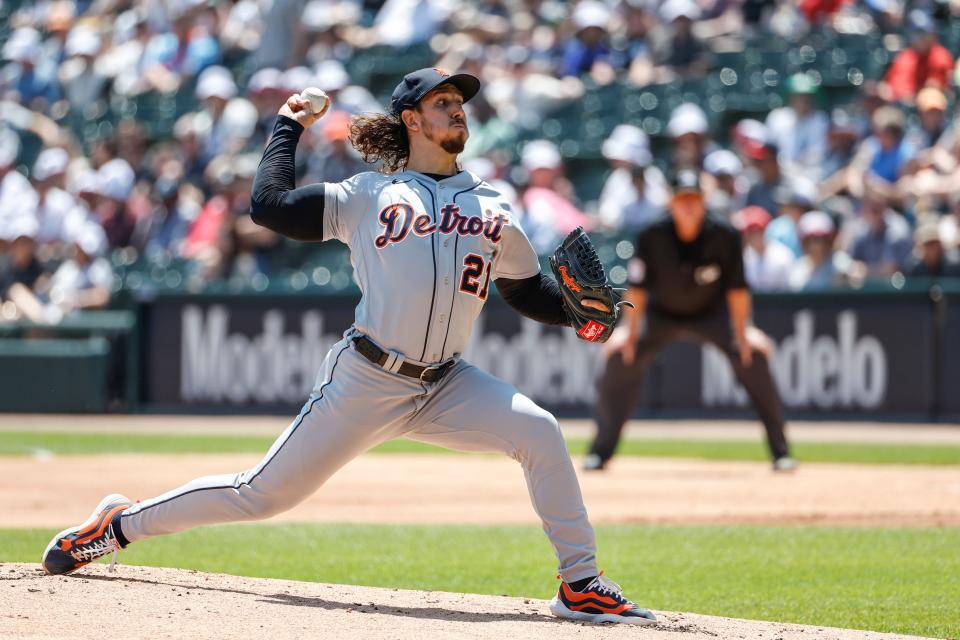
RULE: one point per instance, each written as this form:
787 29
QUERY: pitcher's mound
147 602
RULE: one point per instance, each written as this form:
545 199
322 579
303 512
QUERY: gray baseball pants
356 405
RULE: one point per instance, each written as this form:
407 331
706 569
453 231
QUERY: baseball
316 98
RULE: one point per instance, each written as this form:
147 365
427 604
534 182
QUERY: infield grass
85 443
896 580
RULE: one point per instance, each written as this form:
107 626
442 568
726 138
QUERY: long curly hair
381 137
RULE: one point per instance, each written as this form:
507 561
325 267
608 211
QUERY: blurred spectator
930 259
401 23
115 181
324 24
242 29
282 36
163 230
352 98
796 198
924 63
19 266
880 239
689 130
820 11
589 46
82 281
336 160
766 184
265 92
766 264
33 86
174 57
83 187
126 62
636 191
212 241
677 51
189 132
488 131
798 130
820 267
950 225
871 97
841 143
727 191
550 213
887 151
54 204
230 119
749 138
84 85
932 111
638 21
16 194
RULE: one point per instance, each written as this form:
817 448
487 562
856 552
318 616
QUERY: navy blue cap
419 83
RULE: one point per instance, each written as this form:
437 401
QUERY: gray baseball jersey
424 252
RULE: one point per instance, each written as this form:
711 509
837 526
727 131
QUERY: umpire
686 283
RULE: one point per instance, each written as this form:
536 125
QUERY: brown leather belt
378 356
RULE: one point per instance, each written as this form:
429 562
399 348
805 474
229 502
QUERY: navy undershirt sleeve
275 202
537 297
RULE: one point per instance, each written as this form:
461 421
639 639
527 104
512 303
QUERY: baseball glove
580 275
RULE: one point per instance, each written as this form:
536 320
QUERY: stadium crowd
130 130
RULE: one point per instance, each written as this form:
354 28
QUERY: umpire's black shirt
687 279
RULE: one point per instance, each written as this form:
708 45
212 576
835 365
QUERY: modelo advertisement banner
834 354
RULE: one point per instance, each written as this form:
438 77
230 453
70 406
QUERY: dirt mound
146 602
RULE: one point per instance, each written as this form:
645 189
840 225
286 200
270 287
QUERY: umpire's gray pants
356 405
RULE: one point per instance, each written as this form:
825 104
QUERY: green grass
64 443
896 580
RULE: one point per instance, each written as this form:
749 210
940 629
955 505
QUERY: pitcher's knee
541 436
255 505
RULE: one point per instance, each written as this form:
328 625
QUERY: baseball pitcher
426 240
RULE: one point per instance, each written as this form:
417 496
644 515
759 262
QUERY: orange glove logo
568 280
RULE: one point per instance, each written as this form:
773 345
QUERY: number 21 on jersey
474 267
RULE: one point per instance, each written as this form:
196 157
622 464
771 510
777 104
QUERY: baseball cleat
601 601
79 546
593 462
784 464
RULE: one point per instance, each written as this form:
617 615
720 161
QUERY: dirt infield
430 489
144 602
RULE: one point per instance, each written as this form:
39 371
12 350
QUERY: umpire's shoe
78 546
593 462
601 601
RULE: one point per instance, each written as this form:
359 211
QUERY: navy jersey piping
296 426
456 288
433 251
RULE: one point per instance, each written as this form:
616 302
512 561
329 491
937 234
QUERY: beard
453 142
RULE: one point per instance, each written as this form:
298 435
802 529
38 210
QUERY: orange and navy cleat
601 601
78 546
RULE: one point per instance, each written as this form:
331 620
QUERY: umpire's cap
419 83
685 181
